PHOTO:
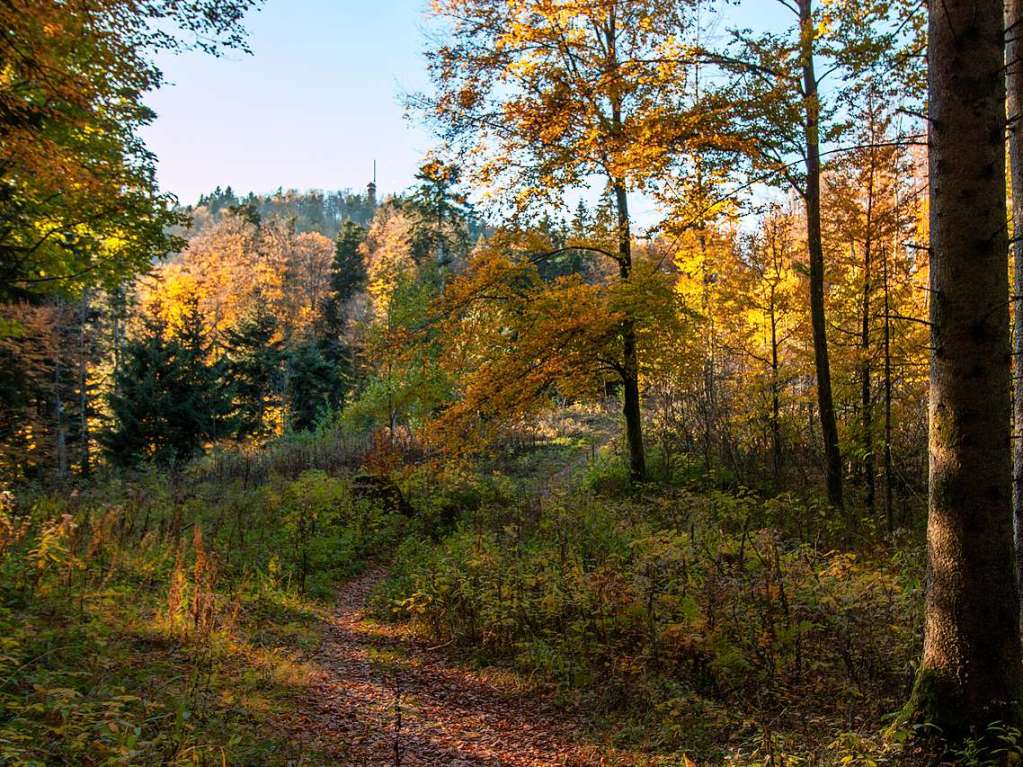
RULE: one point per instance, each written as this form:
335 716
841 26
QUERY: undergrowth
732 627
158 620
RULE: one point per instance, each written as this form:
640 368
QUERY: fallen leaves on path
381 698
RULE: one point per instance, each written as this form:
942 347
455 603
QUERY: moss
935 709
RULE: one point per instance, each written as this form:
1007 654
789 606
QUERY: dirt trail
449 715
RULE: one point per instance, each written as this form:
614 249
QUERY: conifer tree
315 384
439 212
253 369
970 673
347 276
167 402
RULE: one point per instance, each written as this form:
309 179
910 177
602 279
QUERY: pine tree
253 369
315 384
347 276
167 400
439 213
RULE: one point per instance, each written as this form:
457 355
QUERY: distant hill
312 211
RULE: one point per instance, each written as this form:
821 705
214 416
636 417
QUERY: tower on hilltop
371 188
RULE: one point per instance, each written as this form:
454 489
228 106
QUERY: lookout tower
371 188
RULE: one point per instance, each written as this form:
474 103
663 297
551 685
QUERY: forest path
383 698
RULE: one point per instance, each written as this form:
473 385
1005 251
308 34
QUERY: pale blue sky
316 103
318 100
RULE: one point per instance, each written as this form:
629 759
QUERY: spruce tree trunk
84 458
630 355
889 509
866 394
970 675
60 427
815 244
1014 108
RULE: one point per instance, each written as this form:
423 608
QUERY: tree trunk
776 451
866 395
970 675
812 198
84 458
889 510
1014 107
709 368
630 356
60 428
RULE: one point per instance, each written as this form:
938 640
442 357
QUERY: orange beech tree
546 95
513 339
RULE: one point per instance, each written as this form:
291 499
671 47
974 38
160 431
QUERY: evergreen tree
582 221
315 384
347 276
440 213
970 674
562 261
167 401
254 371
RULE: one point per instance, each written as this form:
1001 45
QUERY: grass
158 621
724 625
174 619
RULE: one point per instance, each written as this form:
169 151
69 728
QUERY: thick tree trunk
866 395
970 675
889 509
812 197
630 355
1014 107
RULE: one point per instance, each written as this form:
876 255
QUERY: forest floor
381 697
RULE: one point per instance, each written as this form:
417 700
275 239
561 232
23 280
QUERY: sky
316 103
319 99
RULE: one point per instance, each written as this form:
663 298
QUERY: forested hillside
671 415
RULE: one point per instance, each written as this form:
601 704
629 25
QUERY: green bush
155 620
689 607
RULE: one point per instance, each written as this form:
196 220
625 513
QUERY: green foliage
407 386
695 612
162 622
254 372
80 202
311 211
315 384
348 272
168 399
440 214
327 531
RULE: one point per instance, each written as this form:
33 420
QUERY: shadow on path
370 674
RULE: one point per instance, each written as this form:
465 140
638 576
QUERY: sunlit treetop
539 95
79 202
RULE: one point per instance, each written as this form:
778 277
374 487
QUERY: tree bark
60 427
776 452
815 244
1014 107
970 675
84 434
889 509
630 355
866 394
